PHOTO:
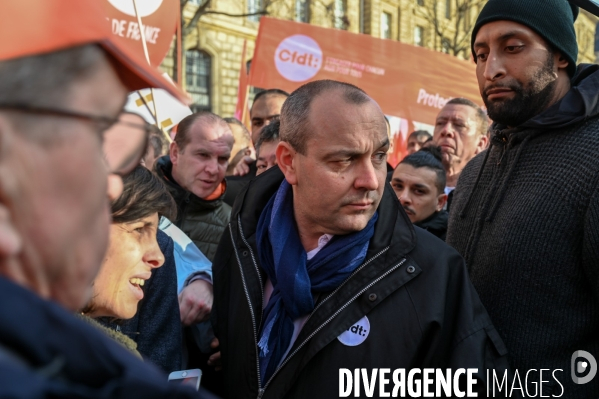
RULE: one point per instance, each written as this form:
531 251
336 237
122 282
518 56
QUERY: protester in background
266 147
242 146
526 211
320 228
194 173
59 92
416 140
265 108
461 132
419 183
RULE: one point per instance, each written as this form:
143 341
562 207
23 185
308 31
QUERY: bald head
202 123
298 108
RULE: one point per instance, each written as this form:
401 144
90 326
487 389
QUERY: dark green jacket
203 221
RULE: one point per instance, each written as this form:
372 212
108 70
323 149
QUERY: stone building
213 45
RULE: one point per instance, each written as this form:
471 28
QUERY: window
448 9
302 11
340 14
385 25
253 7
420 2
197 79
419 36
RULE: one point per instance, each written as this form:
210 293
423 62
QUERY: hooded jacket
202 220
411 295
525 216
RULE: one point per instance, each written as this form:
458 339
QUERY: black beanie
552 19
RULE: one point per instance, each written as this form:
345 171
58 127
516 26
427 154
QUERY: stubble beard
528 102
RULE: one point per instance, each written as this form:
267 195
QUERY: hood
435 224
579 103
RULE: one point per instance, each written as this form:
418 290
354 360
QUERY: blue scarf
293 277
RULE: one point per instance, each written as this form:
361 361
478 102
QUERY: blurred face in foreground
53 181
338 182
132 254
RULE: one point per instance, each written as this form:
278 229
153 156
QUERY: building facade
213 42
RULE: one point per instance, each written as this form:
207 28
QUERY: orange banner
159 19
411 84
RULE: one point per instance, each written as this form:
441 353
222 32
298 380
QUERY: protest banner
159 24
410 83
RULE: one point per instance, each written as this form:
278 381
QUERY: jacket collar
392 229
164 169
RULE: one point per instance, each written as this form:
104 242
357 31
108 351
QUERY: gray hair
296 109
45 80
481 116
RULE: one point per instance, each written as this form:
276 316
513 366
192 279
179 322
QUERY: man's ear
286 159
560 61
483 142
441 200
174 152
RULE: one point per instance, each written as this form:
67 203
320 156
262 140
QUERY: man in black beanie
525 212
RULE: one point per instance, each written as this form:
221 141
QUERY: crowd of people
274 258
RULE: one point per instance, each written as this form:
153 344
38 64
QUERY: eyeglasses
124 142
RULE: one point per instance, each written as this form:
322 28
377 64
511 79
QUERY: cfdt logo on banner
298 58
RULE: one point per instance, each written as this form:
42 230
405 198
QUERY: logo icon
579 366
356 334
145 8
298 58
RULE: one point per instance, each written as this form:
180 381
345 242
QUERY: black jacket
414 289
435 224
525 217
45 352
202 220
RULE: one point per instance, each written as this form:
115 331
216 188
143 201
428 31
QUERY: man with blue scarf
320 269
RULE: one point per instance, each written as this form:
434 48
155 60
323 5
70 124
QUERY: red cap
31 27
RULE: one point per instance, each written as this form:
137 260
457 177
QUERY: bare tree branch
451 29
263 12
196 17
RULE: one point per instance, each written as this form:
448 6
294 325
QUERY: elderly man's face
456 132
201 165
58 185
339 181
